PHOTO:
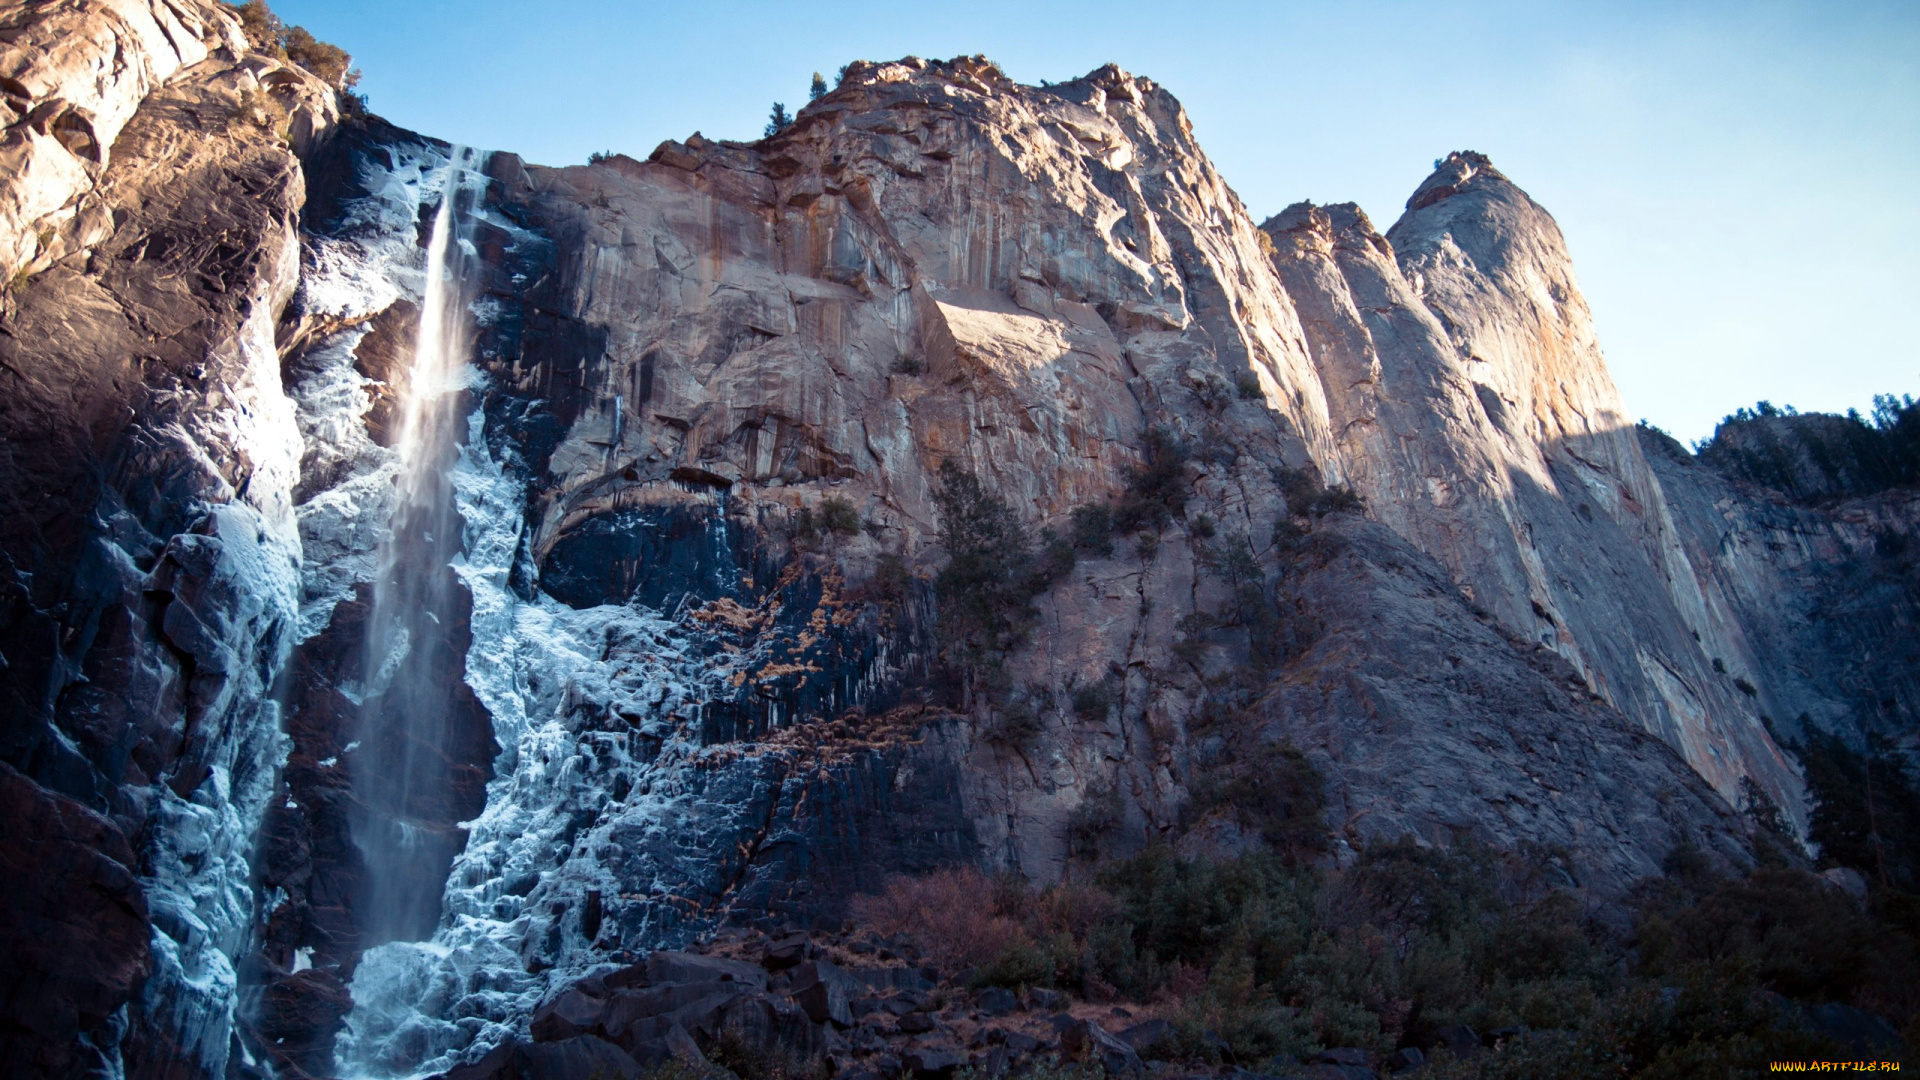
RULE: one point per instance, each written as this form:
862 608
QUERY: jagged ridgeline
935 588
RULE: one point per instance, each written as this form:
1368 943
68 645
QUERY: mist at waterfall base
407 775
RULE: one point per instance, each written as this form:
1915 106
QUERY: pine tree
819 88
778 120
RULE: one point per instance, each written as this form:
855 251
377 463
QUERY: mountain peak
1453 174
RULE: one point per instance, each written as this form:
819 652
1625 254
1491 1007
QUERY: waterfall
413 762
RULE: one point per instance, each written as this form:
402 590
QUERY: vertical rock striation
1481 423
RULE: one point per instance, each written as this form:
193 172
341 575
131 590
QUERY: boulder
1458 1040
1406 1059
1088 1040
1327 1071
1020 1042
1147 1034
1049 1000
825 992
572 1013
635 1019
627 1006
580 1056
916 1023
787 952
774 1027
893 978
996 1001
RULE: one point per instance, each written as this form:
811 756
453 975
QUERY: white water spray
422 734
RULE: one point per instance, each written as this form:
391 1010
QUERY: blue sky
1739 183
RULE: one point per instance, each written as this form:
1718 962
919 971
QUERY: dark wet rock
1343 1055
658 556
1406 1059
580 1057
299 1016
74 924
572 1013
996 1001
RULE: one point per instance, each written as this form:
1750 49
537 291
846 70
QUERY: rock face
1482 424
148 224
696 662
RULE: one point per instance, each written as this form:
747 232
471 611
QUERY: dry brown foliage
950 915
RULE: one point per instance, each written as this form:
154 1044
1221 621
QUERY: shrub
1252 605
1018 723
328 61
1275 793
1093 700
1156 491
818 89
907 364
1251 957
1308 496
837 515
942 915
891 578
1091 527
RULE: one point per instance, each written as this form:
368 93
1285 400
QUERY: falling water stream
409 774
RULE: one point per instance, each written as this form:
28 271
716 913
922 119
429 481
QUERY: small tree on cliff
819 88
778 120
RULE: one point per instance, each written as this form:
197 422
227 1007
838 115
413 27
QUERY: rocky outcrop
1826 598
1479 421
149 227
1399 531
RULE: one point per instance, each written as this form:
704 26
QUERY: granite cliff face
693 654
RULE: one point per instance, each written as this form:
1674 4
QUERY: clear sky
1739 182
